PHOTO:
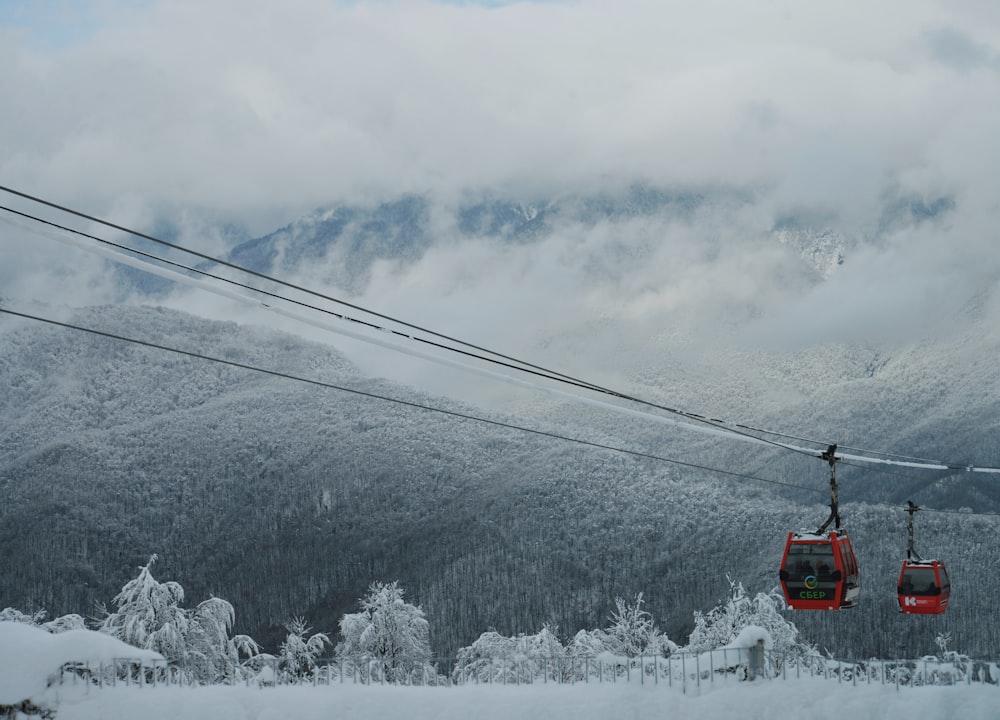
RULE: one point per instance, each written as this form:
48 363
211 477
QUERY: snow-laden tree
632 632
211 654
300 650
390 630
720 626
149 616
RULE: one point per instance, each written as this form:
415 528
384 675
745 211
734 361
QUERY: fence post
756 664
684 673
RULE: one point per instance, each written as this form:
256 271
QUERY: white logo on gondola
910 601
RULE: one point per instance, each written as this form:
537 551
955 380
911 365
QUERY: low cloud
254 114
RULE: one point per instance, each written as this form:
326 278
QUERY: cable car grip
830 455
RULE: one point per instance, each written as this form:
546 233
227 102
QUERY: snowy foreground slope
814 698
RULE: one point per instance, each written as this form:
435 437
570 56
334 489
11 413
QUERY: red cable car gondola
924 587
819 570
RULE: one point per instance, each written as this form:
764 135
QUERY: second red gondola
924 587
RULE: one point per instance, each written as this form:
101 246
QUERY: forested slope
288 499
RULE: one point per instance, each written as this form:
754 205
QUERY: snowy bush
721 626
526 658
300 650
14 615
588 643
60 624
511 660
633 634
951 666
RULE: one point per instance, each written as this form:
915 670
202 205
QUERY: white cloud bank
257 112
251 105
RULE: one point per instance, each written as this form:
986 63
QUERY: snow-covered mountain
353 237
288 499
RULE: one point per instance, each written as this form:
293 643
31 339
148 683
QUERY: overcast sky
257 112
242 105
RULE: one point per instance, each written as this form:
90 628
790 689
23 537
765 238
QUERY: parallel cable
265 276
549 373
541 372
719 425
451 413
731 427
407 403
179 277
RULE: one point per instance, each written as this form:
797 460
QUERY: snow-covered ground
811 698
30 659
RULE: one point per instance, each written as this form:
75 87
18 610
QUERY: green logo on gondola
811 582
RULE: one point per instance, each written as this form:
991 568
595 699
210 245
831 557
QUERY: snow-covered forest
292 501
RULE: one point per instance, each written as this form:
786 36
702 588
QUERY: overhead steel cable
443 411
879 453
538 369
522 366
374 326
398 401
275 307
270 278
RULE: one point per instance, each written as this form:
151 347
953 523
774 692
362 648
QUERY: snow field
811 698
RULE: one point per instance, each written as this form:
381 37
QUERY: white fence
682 670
